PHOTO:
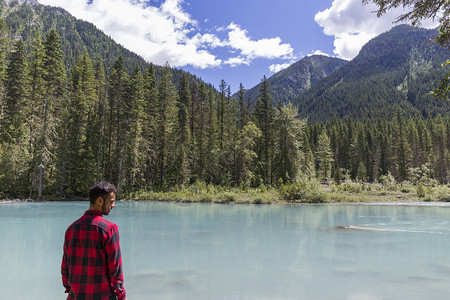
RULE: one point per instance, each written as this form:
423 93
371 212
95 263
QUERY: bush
258 200
226 198
444 198
406 187
307 191
388 180
420 191
205 198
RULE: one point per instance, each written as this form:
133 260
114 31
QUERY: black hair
101 189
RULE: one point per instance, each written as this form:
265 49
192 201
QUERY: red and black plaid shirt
92 263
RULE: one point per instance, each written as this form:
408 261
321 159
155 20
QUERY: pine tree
402 148
97 131
194 109
4 43
199 133
76 165
441 161
264 118
289 132
361 175
212 144
308 165
324 157
149 126
36 94
243 114
118 83
231 132
16 94
425 143
54 88
166 118
221 111
14 156
413 139
246 154
182 134
134 119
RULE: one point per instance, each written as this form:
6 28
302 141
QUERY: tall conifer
264 118
16 94
54 89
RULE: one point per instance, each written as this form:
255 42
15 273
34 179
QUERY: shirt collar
93 212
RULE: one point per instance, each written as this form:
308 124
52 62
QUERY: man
92 262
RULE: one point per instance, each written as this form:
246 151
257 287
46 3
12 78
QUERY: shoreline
303 193
392 203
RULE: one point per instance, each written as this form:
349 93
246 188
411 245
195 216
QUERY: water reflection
204 251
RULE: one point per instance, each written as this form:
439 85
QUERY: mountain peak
298 77
398 67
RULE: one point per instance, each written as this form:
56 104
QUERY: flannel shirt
91 267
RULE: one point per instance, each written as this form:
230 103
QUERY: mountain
397 68
25 17
287 84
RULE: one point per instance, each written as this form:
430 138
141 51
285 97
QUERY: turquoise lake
207 251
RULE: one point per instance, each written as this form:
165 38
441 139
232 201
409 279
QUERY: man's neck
95 208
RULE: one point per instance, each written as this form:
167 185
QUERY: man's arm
114 261
65 270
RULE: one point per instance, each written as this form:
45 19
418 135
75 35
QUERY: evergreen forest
60 131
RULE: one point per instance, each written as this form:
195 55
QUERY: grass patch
307 191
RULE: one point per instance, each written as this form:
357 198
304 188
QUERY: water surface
207 251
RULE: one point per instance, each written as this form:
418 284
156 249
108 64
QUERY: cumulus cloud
169 34
353 24
159 34
275 68
318 52
264 48
236 61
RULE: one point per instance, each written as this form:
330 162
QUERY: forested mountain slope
287 84
24 18
400 67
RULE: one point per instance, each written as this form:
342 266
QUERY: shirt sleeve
65 270
114 261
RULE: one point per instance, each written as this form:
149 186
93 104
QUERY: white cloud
236 61
353 24
169 34
263 48
275 68
318 52
159 34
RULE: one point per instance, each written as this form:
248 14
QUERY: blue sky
239 41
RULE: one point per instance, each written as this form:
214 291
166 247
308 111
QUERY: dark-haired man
92 262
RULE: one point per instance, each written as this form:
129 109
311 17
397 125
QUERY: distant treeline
60 132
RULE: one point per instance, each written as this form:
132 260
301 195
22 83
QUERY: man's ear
99 201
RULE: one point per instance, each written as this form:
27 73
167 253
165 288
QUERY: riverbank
304 192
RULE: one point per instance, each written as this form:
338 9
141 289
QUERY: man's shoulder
97 221
103 223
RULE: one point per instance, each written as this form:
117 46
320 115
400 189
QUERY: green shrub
428 199
258 200
420 191
205 198
388 180
306 191
406 187
226 197
444 198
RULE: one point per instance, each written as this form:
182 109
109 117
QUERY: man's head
102 196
